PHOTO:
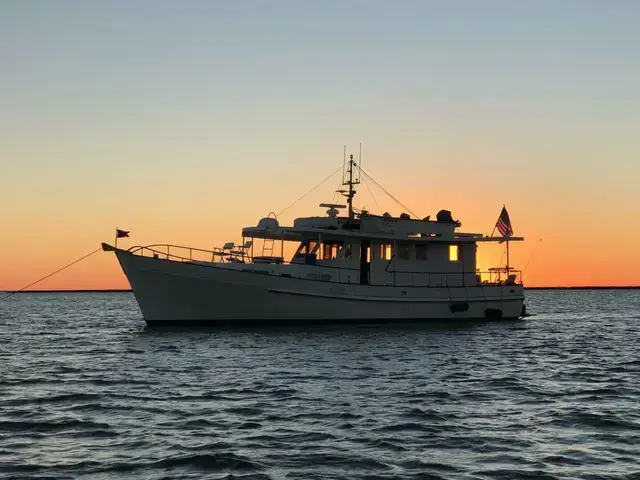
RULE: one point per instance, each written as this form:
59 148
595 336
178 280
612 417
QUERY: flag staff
508 257
120 234
506 230
504 207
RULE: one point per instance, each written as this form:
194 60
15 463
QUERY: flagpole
506 231
508 236
496 225
509 232
507 257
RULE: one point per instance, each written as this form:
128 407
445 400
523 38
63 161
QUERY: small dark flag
121 233
504 223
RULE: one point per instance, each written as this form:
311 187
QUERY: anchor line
51 274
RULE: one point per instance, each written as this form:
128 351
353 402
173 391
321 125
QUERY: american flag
504 224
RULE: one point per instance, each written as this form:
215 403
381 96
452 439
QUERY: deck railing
328 273
183 254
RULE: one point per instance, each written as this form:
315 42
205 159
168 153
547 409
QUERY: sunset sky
186 121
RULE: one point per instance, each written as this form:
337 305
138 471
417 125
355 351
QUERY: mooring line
51 274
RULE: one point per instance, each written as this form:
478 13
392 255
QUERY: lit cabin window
421 252
453 253
385 252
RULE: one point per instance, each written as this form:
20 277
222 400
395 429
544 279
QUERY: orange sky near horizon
569 247
184 125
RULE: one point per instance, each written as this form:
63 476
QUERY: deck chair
223 252
242 251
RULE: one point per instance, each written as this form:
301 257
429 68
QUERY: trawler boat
351 267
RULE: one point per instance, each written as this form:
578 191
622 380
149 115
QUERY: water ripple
88 392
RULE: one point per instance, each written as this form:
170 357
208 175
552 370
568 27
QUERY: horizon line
126 290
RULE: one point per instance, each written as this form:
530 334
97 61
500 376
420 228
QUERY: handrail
238 258
386 269
137 248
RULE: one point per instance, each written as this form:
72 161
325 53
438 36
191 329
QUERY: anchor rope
51 274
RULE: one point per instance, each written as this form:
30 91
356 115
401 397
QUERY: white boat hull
183 293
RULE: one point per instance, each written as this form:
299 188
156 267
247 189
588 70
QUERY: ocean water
88 391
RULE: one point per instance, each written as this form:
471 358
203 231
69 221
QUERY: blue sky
202 68
246 77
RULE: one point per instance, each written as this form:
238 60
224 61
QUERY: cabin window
301 252
454 252
330 250
385 252
421 252
402 251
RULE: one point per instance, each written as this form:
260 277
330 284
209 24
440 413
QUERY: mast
350 182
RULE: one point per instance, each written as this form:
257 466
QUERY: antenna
359 163
344 162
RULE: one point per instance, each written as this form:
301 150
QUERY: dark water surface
87 391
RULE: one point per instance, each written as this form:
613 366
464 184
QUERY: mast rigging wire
336 171
372 196
385 191
362 171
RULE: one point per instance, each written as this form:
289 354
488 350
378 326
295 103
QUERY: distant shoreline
630 287
627 287
114 290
